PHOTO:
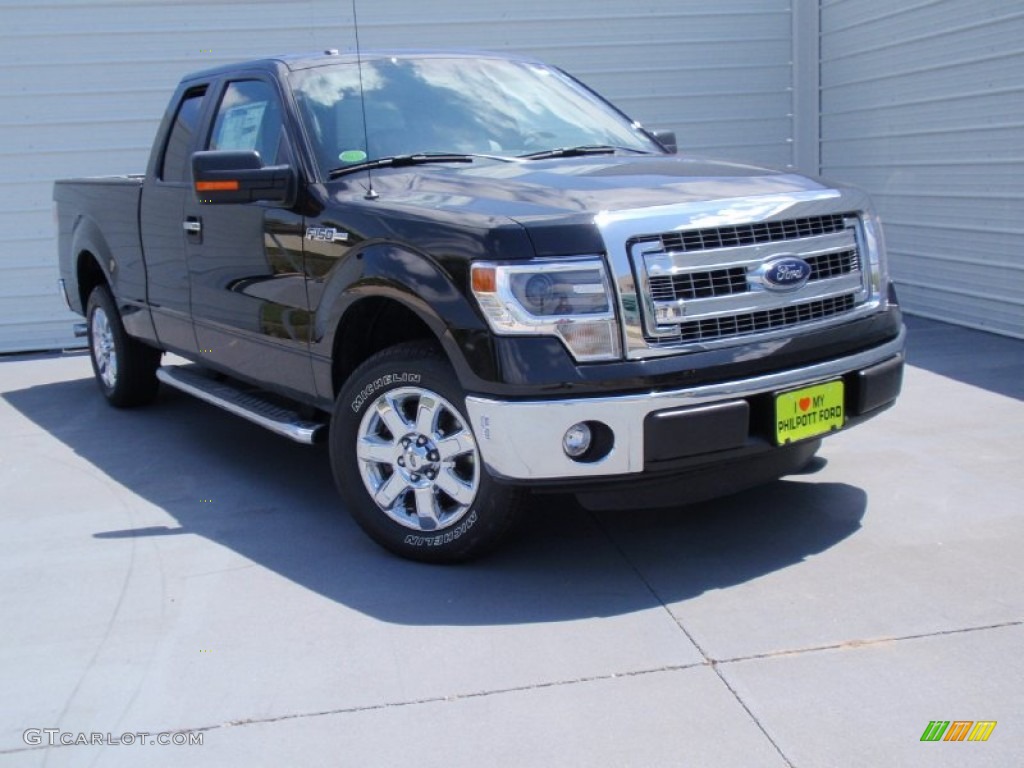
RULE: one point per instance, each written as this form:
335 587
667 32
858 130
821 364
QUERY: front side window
176 165
249 118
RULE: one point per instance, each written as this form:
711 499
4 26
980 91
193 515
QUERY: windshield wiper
585 149
398 161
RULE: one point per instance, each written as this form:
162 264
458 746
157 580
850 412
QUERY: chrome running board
248 405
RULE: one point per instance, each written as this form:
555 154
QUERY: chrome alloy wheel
418 459
103 350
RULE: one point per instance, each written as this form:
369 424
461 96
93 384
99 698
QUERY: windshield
452 105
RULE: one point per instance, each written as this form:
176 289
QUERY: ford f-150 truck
478 280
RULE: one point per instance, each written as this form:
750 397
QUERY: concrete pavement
175 569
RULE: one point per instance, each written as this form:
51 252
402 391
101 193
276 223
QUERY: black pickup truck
479 280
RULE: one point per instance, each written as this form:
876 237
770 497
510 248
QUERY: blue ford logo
786 273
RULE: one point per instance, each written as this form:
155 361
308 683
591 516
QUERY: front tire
125 368
407 463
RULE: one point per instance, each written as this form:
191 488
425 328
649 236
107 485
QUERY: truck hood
575 189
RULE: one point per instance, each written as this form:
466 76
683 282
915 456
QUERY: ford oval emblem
786 273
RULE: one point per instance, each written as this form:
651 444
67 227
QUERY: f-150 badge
328 234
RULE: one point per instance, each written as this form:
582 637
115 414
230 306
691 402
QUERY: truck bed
107 209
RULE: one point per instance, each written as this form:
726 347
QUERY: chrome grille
759 322
712 284
699 285
829 265
753 234
725 282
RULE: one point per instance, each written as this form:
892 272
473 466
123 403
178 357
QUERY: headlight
569 298
875 241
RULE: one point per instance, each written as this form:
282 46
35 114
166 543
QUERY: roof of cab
297 61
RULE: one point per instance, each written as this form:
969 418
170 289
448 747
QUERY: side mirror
667 139
229 176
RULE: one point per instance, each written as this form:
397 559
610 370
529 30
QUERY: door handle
192 225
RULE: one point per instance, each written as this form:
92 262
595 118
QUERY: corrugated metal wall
719 73
84 83
83 87
922 104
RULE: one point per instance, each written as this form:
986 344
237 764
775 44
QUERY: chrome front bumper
522 440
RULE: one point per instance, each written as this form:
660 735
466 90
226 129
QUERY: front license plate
809 412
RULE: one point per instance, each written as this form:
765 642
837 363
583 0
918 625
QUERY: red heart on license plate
805 403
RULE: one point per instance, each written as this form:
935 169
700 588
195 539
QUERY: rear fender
88 242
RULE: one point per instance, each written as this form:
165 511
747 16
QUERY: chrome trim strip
672 313
277 420
661 262
522 440
670 345
62 288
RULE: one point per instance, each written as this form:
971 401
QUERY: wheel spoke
426 415
104 351
393 420
379 451
112 366
455 445
418 459
426 508
390 490
448 482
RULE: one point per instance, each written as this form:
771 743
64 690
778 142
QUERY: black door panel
249 301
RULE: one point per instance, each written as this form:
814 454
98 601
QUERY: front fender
432 291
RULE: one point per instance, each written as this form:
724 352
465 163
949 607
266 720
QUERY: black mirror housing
232 176
667 139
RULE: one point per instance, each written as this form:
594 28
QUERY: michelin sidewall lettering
368 394
486 519
387 380
442 538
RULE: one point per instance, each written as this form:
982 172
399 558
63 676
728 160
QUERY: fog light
577 440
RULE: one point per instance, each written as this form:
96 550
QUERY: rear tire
407 464
125 368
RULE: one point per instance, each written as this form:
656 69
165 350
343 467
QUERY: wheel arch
387 294
88 275
92 255
373 323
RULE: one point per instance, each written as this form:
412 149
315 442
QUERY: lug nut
434 456
421 440
415 477
401 461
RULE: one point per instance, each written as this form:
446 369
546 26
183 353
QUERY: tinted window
176 165
249 118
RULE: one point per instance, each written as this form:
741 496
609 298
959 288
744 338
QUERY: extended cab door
248 289
161 214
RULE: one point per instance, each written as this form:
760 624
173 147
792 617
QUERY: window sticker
240 126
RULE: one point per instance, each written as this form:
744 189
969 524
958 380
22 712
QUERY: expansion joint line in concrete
689 636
